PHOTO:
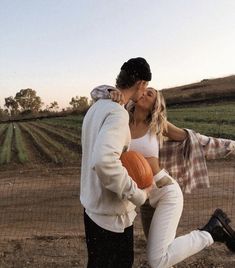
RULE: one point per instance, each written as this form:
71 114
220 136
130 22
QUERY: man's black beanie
138 67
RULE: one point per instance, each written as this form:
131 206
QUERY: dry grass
207 90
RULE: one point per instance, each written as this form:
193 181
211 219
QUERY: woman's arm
154 164
175 133
101 92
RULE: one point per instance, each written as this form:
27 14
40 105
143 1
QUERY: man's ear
145 83
139 84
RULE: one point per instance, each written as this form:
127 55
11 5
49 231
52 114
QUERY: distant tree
6 112
79 103
91 102
54 106
12 105
28 100
3 113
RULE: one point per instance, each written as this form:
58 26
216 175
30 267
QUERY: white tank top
147 145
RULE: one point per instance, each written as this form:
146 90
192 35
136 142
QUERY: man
108 194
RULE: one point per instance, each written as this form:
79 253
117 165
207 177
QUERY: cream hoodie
106 188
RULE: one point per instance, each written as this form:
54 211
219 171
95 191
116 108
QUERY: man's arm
106 158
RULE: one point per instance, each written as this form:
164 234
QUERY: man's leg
108 249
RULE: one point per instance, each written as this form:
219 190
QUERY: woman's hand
117 96
149 189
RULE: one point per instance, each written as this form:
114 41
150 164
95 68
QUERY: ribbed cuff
160 175
139 197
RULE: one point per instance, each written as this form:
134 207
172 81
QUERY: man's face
141 87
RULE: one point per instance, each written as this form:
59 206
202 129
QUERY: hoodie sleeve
101 92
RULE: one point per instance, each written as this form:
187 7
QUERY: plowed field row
40 141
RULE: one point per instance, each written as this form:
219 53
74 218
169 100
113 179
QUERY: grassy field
57 140
216 120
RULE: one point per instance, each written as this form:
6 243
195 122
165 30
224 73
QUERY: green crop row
5 153
46 138
2 129
63 136
54 150
65 133
20 146
42 148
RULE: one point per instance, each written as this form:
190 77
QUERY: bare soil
42 225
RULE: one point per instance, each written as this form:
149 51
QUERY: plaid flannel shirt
185 160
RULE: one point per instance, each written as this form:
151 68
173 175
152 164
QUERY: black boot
220 230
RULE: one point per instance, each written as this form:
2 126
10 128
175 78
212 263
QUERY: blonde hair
156 119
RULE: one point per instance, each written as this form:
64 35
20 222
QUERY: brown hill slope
208 90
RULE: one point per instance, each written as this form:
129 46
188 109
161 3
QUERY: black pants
108 249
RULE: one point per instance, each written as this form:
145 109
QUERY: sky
64 48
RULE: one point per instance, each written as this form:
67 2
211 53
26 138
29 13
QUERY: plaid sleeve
185 162
101 92
216 148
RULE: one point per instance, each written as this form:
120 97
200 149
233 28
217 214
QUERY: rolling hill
208 90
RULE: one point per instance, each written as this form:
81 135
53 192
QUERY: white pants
163 249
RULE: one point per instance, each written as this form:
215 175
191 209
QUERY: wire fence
42 219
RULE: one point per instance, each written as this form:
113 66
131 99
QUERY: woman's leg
163 249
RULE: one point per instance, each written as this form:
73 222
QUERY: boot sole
224 220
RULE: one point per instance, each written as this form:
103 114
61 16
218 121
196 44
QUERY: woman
148 124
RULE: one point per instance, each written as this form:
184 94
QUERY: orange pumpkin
138 168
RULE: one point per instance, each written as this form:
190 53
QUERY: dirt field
41 217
